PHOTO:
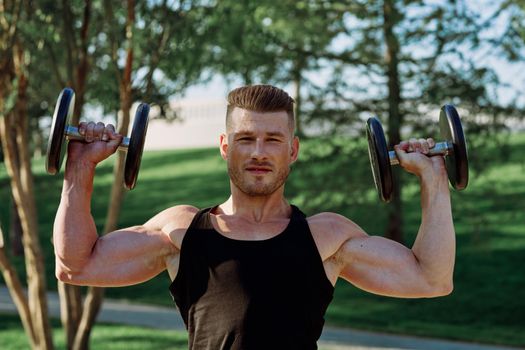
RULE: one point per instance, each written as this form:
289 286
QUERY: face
259 148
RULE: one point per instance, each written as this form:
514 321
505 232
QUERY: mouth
258 170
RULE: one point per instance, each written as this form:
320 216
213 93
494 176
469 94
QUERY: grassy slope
489 218
108 337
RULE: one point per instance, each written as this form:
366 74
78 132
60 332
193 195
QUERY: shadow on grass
136 338
104 336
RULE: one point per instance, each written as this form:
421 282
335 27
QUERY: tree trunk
70 310
15 231
391 15
82 68
92 306
298 78
94 298
15 227
14 121
27 211
7 76
71 296
17 293
21 178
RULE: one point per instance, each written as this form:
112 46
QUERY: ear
295 149
224 146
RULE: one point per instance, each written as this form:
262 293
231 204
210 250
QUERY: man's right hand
101 141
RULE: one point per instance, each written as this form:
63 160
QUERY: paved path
114 311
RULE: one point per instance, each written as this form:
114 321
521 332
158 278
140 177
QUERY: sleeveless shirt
242 294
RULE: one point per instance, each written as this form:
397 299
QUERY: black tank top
240 294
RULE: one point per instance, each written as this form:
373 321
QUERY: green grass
487 303
104 336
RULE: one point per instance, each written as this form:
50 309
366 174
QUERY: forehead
243 120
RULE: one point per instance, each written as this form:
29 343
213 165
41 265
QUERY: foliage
446 55
170 54
266 41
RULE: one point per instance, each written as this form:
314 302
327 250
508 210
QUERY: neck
257 208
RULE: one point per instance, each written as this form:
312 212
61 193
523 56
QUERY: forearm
435 245
75 233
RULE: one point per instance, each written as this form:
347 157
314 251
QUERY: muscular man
253 272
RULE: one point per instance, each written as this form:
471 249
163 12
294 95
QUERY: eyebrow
250 133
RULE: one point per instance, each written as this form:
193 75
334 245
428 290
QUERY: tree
62 43
74 48
123 77
404 59
14 60
125 35
397 59
273 42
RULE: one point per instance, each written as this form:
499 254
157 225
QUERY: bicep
382 266
125 257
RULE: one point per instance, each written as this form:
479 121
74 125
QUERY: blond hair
260 98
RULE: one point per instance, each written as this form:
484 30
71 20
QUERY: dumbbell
61 131
453 148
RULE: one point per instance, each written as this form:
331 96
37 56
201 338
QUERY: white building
201 123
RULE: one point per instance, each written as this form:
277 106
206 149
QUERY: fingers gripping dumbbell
61 131
454 148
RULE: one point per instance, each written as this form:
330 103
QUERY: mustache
259 164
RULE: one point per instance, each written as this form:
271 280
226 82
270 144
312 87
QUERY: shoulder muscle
331 231
173 222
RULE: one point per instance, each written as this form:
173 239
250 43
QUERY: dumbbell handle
440 149
72 133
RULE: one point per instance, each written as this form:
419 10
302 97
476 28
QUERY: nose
258 151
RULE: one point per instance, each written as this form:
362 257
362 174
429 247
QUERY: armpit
172 265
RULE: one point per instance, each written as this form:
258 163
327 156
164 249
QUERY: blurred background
342 62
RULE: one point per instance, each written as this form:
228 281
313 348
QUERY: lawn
487 304
104 336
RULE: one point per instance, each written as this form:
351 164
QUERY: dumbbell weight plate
457 161
136 146
379 161
56 146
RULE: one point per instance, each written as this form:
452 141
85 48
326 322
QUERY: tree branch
17 294
110 18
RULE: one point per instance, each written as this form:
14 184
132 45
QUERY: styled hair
260 98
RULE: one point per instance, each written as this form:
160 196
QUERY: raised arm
122 257
385 267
